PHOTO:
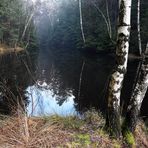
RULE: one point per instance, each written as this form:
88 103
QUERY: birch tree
138 94
81 20
106 19
117 77
138 27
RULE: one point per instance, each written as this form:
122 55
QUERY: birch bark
138 27
117 77
138 94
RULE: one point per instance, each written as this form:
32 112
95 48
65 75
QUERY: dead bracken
57 131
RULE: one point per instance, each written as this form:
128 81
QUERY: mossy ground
63 132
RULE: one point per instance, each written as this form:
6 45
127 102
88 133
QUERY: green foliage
13 16
129 138
68 32
116 144
91 43
82 139
65 30
68 122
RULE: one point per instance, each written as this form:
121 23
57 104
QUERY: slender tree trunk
138 94
138 27
117 77
81 20
106 19
109 22
27 24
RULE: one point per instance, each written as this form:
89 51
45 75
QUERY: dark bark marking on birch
129 29
113 112
121 12
121 45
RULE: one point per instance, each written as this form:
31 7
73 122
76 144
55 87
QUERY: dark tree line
97 16
99 23
16 24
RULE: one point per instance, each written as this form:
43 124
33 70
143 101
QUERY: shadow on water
60 70
14 78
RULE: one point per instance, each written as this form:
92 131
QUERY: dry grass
61 132
141 135
13 134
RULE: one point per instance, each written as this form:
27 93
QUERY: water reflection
43 101
49 82
52 85
14 78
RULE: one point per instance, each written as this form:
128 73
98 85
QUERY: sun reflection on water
42 101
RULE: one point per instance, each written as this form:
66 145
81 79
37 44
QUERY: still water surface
53 81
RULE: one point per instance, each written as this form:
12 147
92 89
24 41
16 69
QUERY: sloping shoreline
69 132
4 49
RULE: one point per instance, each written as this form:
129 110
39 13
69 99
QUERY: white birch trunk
115 84
138 94
138 27
81 20
109 22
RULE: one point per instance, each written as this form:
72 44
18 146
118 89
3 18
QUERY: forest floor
64 132
6 49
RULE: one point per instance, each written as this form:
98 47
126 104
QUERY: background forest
64 24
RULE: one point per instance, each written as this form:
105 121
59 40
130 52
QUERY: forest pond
61 81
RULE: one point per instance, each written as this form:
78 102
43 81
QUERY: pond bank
67 132
4 49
